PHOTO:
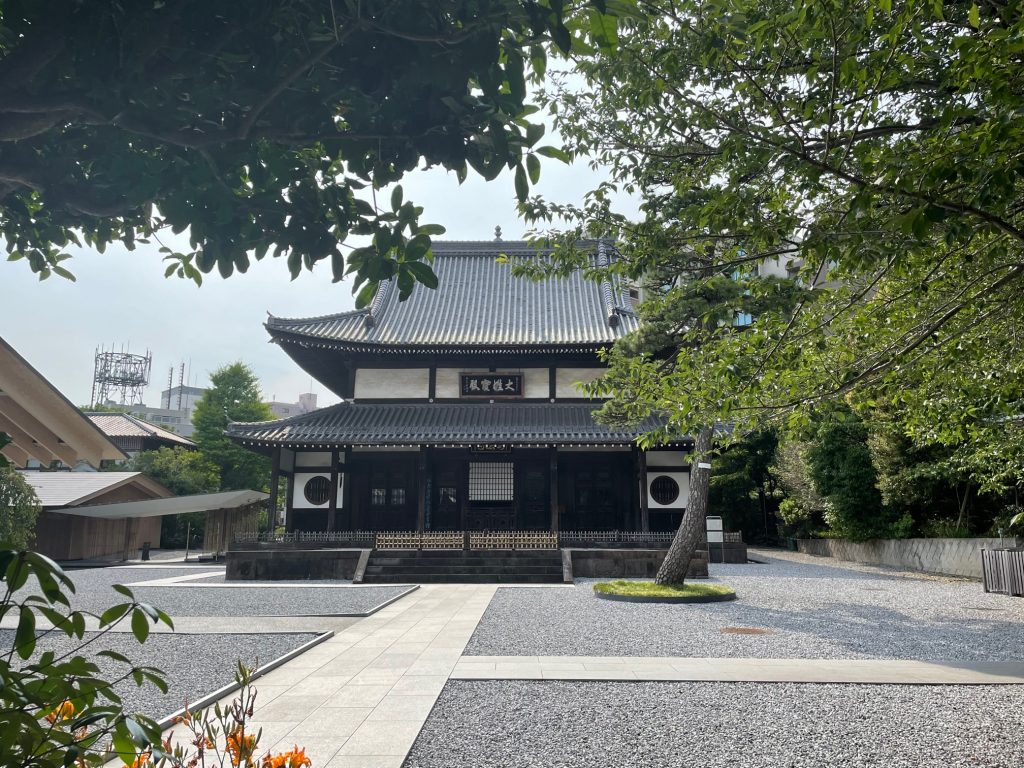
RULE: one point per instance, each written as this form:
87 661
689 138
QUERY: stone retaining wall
629 563
950 557
289 564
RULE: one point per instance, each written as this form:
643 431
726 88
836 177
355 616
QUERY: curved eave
467 348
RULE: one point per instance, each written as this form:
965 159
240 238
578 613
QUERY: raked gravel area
526 724
193 665
94 592
810 611
254 601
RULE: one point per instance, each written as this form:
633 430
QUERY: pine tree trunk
692 529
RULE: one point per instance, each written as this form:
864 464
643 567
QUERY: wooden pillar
275 477
553 458
332 504
635 488
421 489
346 491
645 516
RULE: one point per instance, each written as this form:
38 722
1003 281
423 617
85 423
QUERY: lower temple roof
439 424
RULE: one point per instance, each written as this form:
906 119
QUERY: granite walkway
732 670
359 699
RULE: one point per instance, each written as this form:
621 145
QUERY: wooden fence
1003 571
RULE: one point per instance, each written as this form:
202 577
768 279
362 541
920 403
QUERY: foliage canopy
260 126
869 149
234 395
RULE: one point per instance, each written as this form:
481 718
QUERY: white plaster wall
312 459
683 478
535 383
447 382
566 378
667 458
299 499
392 382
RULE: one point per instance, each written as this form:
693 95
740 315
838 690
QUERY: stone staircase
501 566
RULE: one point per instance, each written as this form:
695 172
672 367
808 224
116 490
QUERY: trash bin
791 545
145 550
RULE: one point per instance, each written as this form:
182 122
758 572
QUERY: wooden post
332 504
421 489
275 476
645 513
346 490
553 458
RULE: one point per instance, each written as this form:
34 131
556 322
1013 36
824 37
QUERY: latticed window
491 481
379 497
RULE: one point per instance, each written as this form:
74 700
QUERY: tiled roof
370 424
477 304
126 425
65 489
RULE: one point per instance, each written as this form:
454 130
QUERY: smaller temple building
462 410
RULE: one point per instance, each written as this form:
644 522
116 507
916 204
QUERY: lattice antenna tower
120 376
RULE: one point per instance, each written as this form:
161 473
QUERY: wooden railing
472 539
1003 571
513 540
419 540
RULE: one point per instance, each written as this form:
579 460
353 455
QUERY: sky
122 300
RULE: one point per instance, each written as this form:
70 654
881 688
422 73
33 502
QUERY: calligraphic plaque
490 385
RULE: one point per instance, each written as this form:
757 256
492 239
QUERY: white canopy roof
201 502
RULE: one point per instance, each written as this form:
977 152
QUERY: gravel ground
94 593
811 611
511 723
193 665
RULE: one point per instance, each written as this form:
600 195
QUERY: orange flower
296 758
64 711
240 747
140 761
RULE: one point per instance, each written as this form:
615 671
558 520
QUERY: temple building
461 410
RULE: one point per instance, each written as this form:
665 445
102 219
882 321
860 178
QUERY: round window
664 490
317 490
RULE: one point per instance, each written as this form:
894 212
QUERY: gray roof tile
126 425
365 424
478 303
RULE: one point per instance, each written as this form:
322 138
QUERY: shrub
59 712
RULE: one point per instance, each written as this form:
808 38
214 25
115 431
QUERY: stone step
462 578
498 569
468 563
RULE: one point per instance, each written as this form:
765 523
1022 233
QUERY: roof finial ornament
497 234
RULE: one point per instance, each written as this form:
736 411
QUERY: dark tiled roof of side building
478 303
386 424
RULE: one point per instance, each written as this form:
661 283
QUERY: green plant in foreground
650 589
56 708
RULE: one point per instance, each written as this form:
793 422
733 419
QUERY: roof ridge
290 419
273 319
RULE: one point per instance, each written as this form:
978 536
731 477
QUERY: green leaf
140 625
533 167
423 273
556 153
122 589
25 636
396 198
430 230
522 185
365 296
973 16
113 613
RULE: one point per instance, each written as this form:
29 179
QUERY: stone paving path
360 699
876 671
